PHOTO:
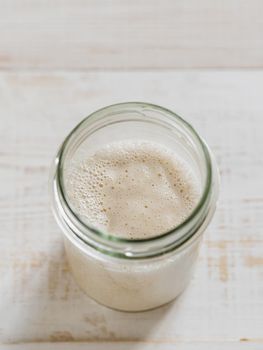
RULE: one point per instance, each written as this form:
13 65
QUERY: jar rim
104 236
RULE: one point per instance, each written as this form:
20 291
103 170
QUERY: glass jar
124 274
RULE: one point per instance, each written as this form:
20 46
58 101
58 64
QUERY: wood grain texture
117 34
137 346
39 301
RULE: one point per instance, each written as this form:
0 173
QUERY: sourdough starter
133 190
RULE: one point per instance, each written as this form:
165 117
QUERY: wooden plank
130 34
39 301
138 345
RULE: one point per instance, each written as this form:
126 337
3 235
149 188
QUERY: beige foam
132 189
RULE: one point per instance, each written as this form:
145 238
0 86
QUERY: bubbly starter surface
132 189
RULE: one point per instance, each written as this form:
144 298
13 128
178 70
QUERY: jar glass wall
124 274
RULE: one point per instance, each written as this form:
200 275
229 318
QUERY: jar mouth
99 238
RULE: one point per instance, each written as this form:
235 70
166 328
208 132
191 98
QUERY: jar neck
131 249
175 239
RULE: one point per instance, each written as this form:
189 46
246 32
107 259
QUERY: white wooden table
39 301
61 60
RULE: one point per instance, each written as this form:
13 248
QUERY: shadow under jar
125 274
